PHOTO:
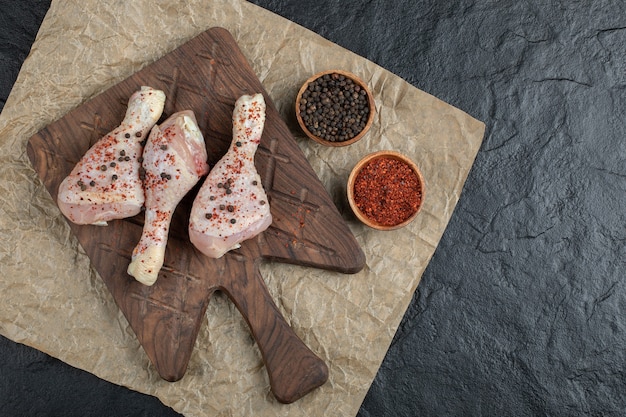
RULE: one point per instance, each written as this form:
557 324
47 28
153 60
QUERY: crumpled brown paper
55 302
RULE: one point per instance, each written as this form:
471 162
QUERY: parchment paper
55 302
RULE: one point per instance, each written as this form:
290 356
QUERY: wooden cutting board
207 75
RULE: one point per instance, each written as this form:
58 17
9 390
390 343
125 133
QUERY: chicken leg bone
174 160
232 205
104 185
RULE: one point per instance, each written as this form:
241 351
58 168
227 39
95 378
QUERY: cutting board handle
293 369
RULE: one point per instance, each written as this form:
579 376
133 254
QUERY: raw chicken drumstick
105 183
231 205
174 160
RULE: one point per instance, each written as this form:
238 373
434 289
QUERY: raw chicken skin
174 160
105 183
231 205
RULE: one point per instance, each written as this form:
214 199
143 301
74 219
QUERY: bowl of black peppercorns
335 108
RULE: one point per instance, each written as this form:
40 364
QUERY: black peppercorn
334 108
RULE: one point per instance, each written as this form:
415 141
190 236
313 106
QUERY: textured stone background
520 312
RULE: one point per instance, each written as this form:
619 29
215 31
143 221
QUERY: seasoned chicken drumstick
231 205
174 159
104 185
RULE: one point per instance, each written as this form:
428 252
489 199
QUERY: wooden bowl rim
357 168
370 102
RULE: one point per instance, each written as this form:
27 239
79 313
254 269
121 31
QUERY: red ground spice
387 191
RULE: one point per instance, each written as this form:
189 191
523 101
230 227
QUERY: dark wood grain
207 75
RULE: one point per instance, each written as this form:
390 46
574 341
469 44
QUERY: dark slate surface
520 312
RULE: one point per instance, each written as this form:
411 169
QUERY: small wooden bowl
370 102
351 193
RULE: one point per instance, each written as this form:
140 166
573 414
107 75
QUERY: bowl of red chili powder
335 108
385 190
